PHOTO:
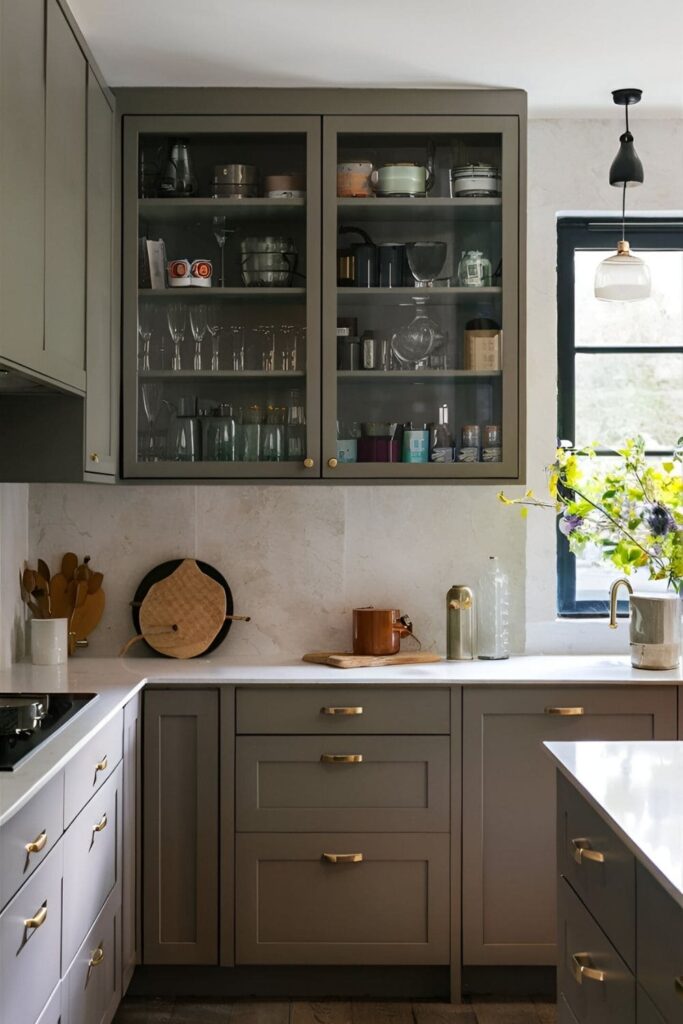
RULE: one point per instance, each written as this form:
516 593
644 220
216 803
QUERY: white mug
49 641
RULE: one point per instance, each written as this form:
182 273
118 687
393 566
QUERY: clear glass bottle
441 444
493 613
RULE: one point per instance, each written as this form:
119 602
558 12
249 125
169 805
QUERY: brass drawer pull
38 843
341 758
343 858
101 824
39 919
341 711
582 968
96 958
101 766
582 851
565 712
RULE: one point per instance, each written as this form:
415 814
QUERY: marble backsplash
297 559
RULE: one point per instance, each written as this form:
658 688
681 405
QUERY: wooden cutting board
341 660
182 614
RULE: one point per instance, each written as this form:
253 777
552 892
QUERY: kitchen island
620 884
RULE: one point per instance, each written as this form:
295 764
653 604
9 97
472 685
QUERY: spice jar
471 442
491 450
474 270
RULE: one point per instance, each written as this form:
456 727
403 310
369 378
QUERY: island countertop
116 680
637 788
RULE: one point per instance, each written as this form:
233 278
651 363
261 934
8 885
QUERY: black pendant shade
626 167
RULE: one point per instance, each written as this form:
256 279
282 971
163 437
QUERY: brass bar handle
38 843
341 711
678 984
565 712
581 965
38 919
341 758
101 824
96 958
101 766
583 851
343 858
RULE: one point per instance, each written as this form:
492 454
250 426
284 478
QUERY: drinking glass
177 325
296 427
285 348
220 233
266 332
145 325
215 328
220 439
152 394
426 260
273 442
412 343
199 322
250 434
236 333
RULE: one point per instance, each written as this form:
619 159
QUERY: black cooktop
17 744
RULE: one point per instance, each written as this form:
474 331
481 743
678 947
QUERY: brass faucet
613 592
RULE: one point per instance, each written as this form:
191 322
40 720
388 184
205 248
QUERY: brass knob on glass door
94 457
309 463
332 463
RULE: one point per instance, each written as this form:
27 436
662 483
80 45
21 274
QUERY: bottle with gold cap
460 623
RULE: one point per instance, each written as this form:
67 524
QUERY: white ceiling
568 56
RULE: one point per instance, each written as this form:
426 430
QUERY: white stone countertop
116 680
637 788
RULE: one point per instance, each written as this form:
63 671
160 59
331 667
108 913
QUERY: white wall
13 552
298 559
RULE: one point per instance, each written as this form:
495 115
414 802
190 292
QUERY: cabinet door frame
659 702
133 128
513 377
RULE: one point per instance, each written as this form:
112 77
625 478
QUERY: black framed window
620 366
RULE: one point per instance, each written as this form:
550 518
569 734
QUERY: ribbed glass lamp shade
622 278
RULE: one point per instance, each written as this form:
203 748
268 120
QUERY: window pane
594 578
654 321
619 395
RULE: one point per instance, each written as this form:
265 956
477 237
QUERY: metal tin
460 623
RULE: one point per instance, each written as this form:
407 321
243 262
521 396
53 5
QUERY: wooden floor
484 1010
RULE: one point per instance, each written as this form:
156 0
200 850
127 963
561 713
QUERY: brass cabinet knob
94 457
332 463
38 843
309 463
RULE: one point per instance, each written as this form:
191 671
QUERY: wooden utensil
87 615
69 565
59 597
342 660
44 570
95 582
28 580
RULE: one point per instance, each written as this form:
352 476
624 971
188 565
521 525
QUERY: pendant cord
623 212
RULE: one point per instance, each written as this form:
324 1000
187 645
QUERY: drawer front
30 956
91 767
52 1014
660 946
646 1011
611 1000
29 835
91 863
294 905
599 868
337 710
564 1012
92 986
303 783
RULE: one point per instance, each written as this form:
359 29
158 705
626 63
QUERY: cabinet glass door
221 297
420 312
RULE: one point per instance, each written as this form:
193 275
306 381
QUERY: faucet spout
613 594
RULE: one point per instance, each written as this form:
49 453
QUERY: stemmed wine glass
220 233
426 260
145 322
214 327
199 322
177 324
152 392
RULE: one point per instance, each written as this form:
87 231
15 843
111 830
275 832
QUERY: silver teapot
654 627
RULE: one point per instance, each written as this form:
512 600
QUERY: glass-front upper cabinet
221 293
421 297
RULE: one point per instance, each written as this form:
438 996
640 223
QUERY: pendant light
624 277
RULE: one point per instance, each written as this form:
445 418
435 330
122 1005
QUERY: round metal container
475 180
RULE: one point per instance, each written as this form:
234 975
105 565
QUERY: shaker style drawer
52 1014
599 868
348 898
660 946
343 710
340 784
92 985
30 929
92 766
29 835
595 981
91 863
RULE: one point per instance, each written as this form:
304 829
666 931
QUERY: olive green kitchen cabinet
58 252
509 846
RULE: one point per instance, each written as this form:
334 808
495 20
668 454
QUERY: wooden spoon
44 570
69 565
28 580
95 582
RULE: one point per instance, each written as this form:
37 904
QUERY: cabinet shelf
403 296
221 374
368 376
270 295
379 210
238 211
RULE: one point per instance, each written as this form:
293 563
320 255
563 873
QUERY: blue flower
570 522
658 519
